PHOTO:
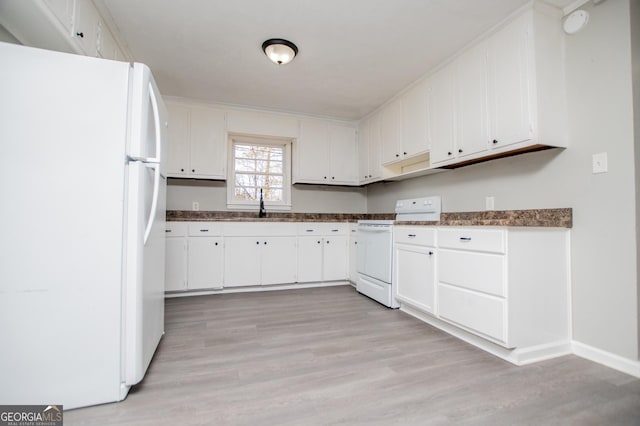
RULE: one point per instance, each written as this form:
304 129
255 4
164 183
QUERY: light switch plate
195 206
600 163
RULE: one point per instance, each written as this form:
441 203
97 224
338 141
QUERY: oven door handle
374 230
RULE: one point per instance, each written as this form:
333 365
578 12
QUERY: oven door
375 251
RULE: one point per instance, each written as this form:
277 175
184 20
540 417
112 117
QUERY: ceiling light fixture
279 50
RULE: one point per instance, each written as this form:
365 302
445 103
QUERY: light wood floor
329 356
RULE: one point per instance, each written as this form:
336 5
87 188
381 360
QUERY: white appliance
82 142
375 247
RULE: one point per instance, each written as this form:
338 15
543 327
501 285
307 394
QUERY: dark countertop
548 218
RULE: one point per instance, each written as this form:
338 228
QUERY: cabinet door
335 259
309 259
178 134
342 154
205 263
414 121
312 152
440 113
471 102
364 135
176 264
510 79
242 261
415 276
208 143
85 28
374 146
391 132
106 44
279 260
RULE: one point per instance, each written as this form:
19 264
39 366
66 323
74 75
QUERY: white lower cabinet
323 252
251 261
176 256
506 285
414 266
205 263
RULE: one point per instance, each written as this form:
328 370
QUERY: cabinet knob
182 170
397 155
459 150
265 243
257 242
328 241
495 141
193 170
80 34
325 177
216 243
318 242
449 153
404 153
430 253
369 175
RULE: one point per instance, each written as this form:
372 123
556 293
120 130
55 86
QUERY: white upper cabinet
507 93
510 82
415 140
325 153
197 142
440 113
343 154
262 124
85 26
391 132
63 11
369 149
472 117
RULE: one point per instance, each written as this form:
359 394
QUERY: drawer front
482 314
323 228
487 240
259 229
176 229
421 236
204 229
476 271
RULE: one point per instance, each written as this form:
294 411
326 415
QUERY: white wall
604 250
212 195
635 55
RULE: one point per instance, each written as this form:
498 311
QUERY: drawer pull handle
167 230
334 230
204 230
309 230
465 238
411 235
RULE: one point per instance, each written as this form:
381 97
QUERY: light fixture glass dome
280 51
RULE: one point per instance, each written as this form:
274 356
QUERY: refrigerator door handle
154 201
156 121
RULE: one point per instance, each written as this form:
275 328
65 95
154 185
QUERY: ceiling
354 54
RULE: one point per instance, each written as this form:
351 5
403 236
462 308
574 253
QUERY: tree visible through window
258 167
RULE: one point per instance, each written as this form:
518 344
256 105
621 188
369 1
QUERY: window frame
233 204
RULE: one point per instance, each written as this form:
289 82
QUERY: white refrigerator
82 223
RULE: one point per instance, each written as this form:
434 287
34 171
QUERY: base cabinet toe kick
505 290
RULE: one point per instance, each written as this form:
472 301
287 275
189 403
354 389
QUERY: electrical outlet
599 163
490 203
195 206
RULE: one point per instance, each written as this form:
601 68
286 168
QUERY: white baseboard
608 359
255 288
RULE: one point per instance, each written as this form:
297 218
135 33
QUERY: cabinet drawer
176 229
204 229
323 228
489 240
476 271
477 312
421 236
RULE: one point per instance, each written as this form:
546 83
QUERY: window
259 164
